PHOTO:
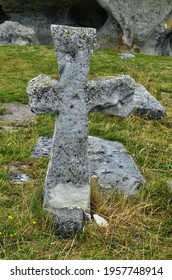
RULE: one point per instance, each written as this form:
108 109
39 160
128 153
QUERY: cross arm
112 96
43 93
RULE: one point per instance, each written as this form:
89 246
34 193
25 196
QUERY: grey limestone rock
19 178
129 25
146 26
14 33
70 220
43 92
147 105
113 167
111 95
72 99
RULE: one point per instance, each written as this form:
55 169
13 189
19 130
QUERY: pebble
101 222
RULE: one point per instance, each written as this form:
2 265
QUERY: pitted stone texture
68 221
43 92
14 33
74 49
113 167
146 25
109 161
110 95
68 166
42 147
68 204
141 26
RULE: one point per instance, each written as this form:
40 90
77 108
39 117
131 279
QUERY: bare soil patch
17 112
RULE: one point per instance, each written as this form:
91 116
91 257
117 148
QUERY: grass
140 226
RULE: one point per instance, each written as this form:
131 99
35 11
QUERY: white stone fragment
127 55
101 222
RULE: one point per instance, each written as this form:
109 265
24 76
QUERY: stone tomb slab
109 161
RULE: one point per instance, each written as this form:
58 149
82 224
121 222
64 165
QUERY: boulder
128 25
14 33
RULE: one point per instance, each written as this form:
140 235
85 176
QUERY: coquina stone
140 26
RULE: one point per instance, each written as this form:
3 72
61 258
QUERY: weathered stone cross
67 188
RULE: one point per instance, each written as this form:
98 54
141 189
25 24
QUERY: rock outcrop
146 25
140 26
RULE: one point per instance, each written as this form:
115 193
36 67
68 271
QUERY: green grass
19 65
140 226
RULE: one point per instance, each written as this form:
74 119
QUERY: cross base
68 205
67 221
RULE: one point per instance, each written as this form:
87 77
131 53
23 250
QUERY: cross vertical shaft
74 48
68 166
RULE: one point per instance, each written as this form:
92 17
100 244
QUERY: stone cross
67 187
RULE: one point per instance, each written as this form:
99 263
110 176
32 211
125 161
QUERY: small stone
101 222
17 178
127 55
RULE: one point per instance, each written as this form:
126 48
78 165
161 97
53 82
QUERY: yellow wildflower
34 222
10 217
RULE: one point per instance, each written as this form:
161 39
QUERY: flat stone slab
113 166
146 104
109 161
